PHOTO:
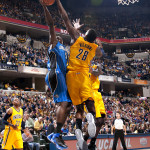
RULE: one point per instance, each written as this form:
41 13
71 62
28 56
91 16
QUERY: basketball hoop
127 2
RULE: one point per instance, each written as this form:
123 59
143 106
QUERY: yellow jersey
81 54
95 82
15 118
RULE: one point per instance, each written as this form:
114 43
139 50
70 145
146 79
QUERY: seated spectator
107 131
38 124
50 127
28 139
29 123
1 85
64 130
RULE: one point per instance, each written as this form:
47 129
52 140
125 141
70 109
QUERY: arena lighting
127 2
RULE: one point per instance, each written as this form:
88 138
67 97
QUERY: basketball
48 2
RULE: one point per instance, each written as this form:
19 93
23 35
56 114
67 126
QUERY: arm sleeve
23 125
6 118
113 122
123 120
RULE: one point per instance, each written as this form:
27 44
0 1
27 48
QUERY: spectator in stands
111 21
1 85
134 111
29 123
65 130
38 124
51 128
107 130
28 138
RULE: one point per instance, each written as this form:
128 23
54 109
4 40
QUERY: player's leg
99 117
81 143
64 101
90 118
8 139
79 116
18 143
64 106
74 81
61 114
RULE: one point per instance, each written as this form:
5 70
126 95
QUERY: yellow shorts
99 104
12 139
79 86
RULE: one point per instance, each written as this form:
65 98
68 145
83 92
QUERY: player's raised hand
76 24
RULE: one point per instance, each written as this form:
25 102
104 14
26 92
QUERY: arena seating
26 56
105 24
135 111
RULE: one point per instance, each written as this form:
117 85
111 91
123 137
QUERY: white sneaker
82 145
91 125
77 146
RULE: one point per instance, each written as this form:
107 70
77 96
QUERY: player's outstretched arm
71 30
50 23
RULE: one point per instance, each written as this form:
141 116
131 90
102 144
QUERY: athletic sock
58 128
86 137
93 140
79 124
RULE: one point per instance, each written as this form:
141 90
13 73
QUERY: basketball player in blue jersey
56 80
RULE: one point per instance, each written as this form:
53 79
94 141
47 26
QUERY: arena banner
32 70
43 27
126 79
106 78
8 67
105 142
141 82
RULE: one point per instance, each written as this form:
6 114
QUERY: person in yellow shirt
13 125
82 51
38 124
95 71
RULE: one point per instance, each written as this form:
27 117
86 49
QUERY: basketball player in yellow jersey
13 125
82 52
95 71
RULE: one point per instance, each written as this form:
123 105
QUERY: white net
127 2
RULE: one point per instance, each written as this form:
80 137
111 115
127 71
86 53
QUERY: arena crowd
105 24
19 55
41 107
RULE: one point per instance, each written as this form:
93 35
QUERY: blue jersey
61 58
56 77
